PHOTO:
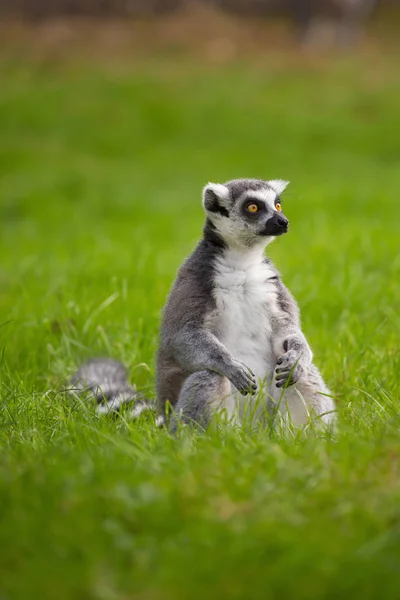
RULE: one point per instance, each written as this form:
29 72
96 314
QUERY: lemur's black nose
282 221
275 225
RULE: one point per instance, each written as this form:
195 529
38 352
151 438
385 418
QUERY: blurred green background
108 131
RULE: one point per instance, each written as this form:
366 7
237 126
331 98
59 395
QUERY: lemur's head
246 212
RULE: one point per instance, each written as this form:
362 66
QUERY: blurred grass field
101 175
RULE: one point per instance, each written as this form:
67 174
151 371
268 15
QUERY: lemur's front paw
289 369
243 378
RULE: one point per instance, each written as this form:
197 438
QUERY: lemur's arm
197 349
292 352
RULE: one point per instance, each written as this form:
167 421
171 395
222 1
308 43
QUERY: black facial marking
212 204
212 237
217 208
262 209
275 225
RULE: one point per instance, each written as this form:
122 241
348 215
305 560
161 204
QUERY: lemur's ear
279 185
216 199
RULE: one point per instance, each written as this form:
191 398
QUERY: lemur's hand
289 368
242 378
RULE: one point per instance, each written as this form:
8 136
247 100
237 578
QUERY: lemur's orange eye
253 208
278 207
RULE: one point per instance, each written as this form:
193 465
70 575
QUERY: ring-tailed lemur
229 324
230 327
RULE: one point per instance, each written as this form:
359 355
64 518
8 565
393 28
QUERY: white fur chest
245 298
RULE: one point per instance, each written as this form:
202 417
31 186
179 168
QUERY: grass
99 204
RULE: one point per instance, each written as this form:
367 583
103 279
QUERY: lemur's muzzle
275 225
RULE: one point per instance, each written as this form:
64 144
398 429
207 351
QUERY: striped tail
105 380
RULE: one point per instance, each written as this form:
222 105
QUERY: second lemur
231 329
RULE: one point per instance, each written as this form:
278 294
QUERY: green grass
101 172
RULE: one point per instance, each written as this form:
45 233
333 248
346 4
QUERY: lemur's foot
289 369
243 378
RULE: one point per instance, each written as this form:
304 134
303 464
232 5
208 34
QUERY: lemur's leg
203 394
307 398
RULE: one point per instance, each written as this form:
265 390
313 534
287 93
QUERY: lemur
230 329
